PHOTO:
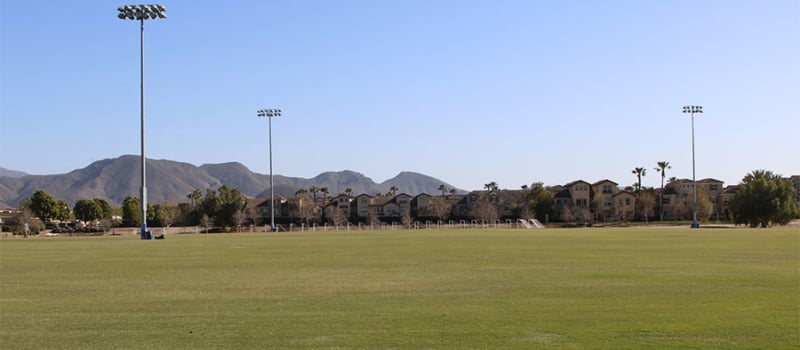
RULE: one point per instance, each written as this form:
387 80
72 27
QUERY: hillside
114 179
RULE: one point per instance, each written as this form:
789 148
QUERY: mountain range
117 178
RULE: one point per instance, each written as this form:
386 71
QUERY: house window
713 187
725 200
627 201
606 188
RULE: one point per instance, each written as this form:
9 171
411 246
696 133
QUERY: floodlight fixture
141 12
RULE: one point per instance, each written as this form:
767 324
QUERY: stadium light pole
691 110
269 113
141 13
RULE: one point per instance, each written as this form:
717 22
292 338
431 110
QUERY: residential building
624 205
725 198
603 192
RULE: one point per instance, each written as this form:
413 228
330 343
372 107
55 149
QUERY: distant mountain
115 179
11 173
415 183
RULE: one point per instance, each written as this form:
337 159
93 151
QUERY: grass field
634 288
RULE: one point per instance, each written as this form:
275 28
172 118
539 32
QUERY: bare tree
206 222
441 208
704 206
372 217
582 214
647 201
484 210
337 216
567 214
239 217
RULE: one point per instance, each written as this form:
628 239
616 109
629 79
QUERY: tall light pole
269 113
692 110
141 13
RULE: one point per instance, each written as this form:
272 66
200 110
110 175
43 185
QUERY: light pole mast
269 113
141 13
692 110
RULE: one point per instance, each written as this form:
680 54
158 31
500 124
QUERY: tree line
763 199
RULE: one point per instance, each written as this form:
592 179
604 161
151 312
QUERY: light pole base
146 235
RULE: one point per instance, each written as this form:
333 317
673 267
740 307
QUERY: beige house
624 205
361 206
577 201
338 208
603 192
573 201
725 198
263 209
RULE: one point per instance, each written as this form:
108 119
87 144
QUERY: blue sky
465 91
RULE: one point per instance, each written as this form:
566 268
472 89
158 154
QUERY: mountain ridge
113 179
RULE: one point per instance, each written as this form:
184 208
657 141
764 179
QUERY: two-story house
603 192
624 205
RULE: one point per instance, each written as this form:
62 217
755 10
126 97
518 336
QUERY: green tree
87 210
105 209
443 188
209 205
491 187
43 205
186 214
62 211
541 201
231 202
166 213
764 199
131 212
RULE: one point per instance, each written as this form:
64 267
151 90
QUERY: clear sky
466 91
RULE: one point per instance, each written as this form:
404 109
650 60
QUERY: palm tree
392 191
453 191
301 193
491 187
639 172
325 193
195 196
314 190
348 191
662 168
443 188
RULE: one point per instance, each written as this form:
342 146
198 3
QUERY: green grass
634 288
